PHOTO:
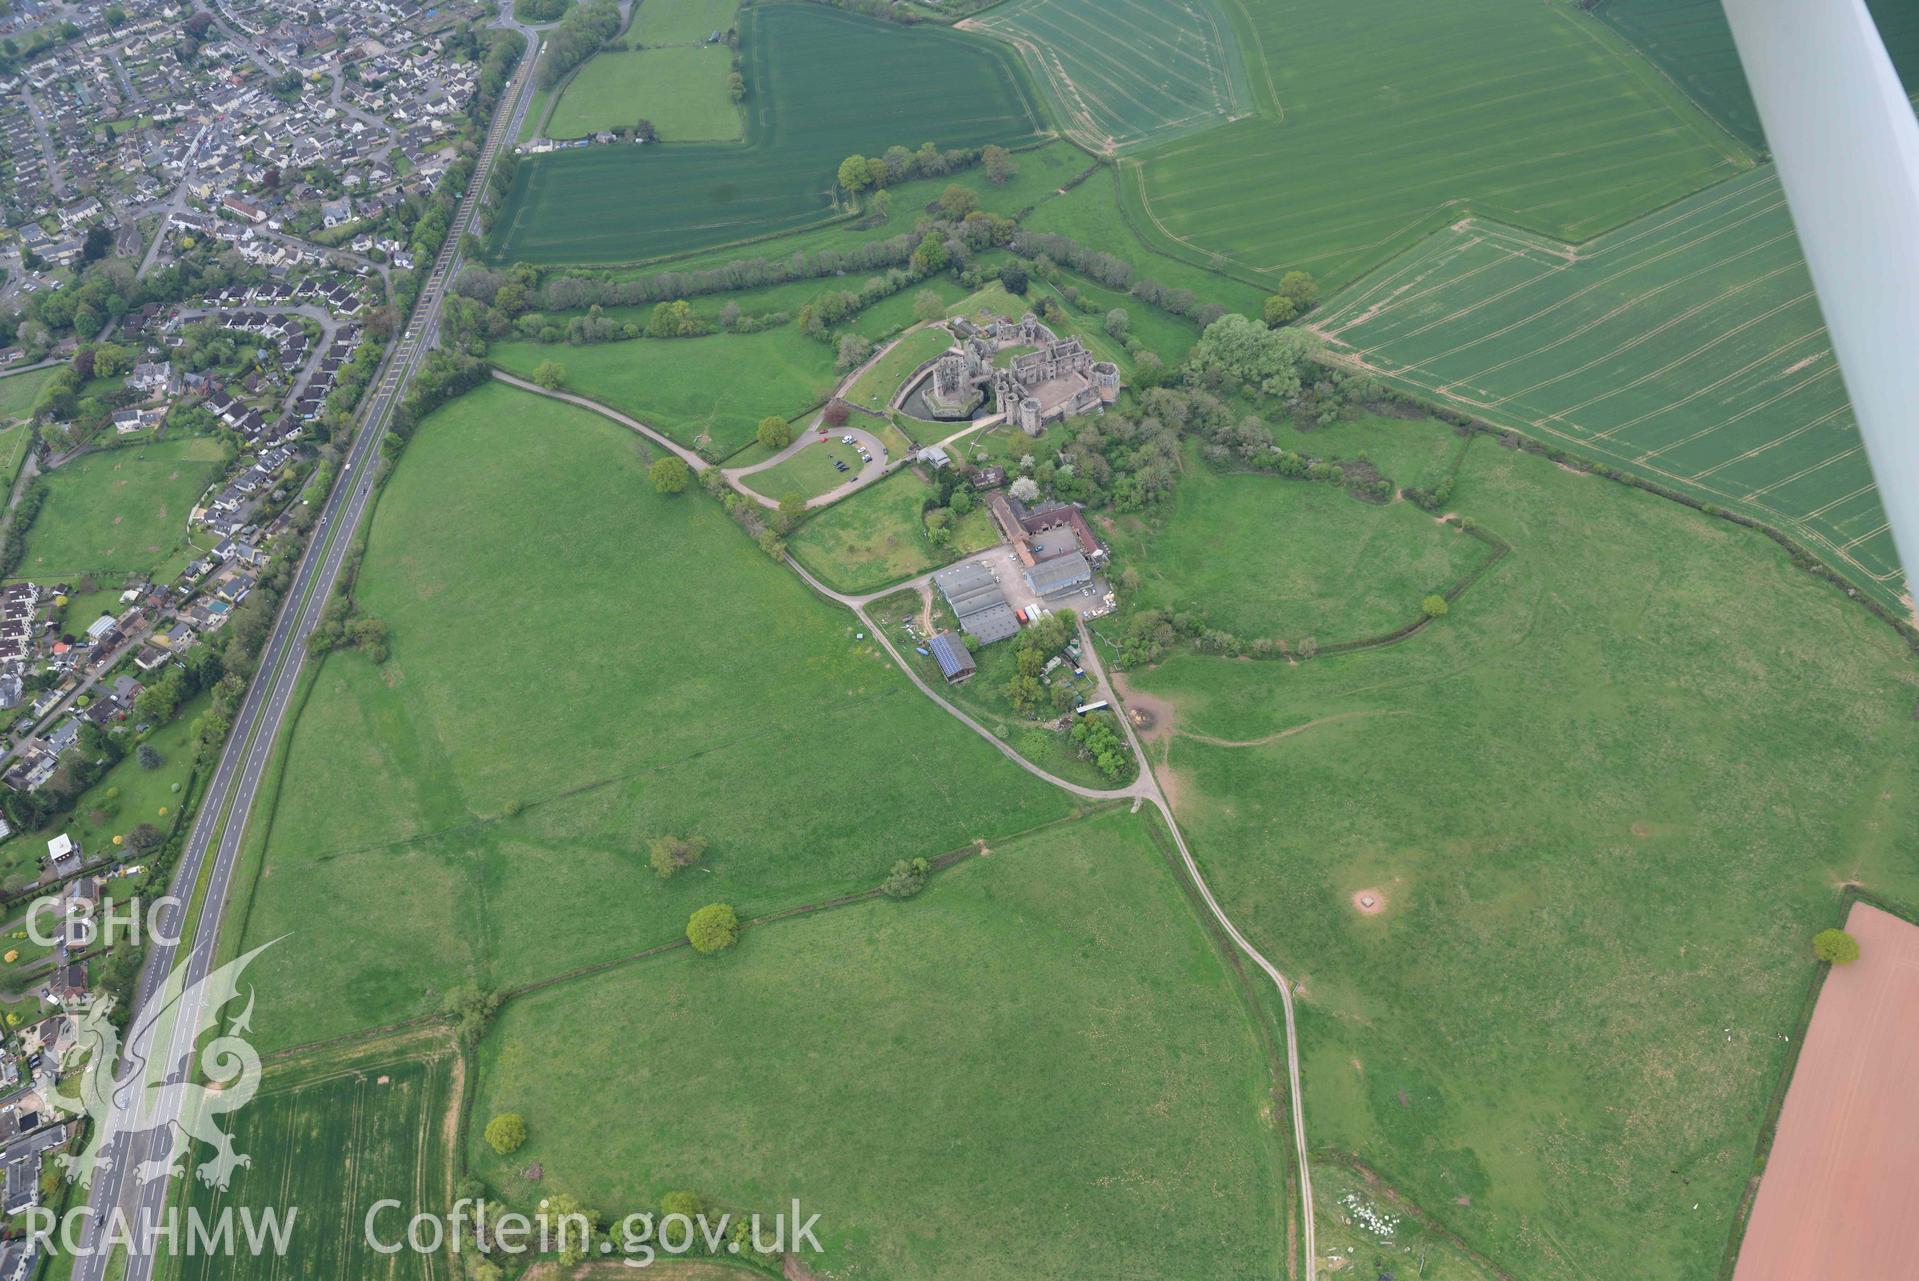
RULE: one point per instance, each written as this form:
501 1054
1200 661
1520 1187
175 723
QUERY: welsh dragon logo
154 1087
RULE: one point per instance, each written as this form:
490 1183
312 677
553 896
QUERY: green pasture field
1120 73
882 320
922 431
1687 347
1530 112
15 441
334 1132
658 22
139 796
681 89
706 393
1090 214
808 473
1266 556
119 511
875 389
19 391
1056 999
1605 805
579 665
626 204
1167 336
877 536
1690 41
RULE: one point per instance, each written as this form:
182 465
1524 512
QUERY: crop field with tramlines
1690 41
1381 121
1687 347
1124 72
383 1113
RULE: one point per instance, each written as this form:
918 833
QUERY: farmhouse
1056 548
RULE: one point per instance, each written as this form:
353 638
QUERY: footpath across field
1842 1182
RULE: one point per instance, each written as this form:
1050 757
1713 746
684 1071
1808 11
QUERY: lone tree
930 257
148 758
668 854
645 131
713 928
1013 276
775 432
1835 947
837 412
669 475
506 1132
1434 606
792 510
957 201
855 175
549 374
683 1203
907 878
999 164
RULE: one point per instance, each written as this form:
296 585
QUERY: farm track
1145 789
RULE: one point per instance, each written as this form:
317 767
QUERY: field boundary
609 267
1078 113
1135 204
1598 14
1620 471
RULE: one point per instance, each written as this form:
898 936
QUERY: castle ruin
1057 380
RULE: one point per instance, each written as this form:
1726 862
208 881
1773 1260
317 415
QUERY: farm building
978 602
1050 577
956 662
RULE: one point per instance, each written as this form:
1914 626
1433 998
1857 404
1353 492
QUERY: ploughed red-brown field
1840 1193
